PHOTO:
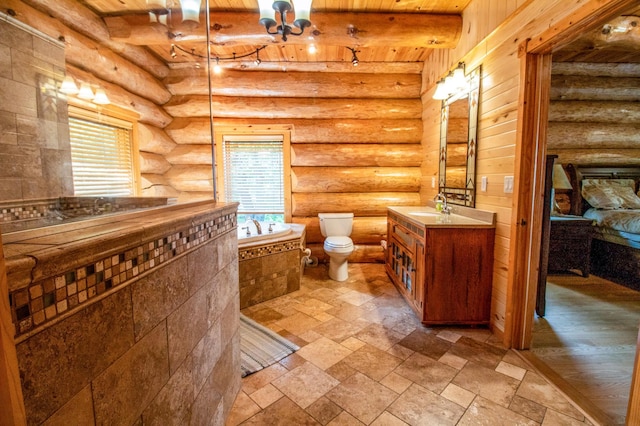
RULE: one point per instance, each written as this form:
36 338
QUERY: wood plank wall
493 31
594 117
355 140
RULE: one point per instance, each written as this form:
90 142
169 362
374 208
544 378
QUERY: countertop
461 217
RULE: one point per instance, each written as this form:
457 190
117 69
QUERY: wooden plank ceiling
391 30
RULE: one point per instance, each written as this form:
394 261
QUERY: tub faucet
96 206
258 227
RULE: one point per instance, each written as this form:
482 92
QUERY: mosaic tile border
35 213
44 300
267 249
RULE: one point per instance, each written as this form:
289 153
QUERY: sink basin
424 214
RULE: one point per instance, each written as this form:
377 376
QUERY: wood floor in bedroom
587 342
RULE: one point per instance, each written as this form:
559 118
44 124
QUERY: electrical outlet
433 181
483 184
508 184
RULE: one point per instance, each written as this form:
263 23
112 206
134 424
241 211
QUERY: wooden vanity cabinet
444 273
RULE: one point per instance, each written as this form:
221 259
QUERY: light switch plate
483 184
508 184
433 181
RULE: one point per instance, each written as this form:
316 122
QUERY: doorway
536 63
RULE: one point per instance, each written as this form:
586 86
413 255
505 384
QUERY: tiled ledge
53 274
295 240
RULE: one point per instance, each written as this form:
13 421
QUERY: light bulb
69 86
85 92
101 98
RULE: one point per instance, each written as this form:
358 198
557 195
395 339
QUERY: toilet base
338 270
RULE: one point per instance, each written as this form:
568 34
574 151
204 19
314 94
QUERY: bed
609 197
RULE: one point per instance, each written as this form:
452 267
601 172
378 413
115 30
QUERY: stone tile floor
366 359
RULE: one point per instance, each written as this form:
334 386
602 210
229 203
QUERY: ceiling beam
338 29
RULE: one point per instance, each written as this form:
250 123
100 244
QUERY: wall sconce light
454 83
69 87
302 9
354 59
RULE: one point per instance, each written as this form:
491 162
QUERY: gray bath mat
261 347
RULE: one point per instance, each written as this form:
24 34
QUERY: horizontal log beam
314 108
357 155
296 84
153 163
355 179
91 56
366 230
590 88
334 67
360 204
78 17
153 139
336 130
590 69
595 112
613 157
190 154
335 29
565 135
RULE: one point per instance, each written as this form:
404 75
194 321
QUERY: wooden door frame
531 145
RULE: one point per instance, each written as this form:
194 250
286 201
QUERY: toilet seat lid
338 241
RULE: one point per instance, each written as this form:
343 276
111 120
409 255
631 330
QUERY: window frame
111 115
253 133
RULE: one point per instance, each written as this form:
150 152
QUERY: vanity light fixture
190 10
454 83
301 8
69 87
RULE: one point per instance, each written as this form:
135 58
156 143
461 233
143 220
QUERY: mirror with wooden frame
458 148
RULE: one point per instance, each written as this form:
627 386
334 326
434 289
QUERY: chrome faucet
440 197
96 206
258 227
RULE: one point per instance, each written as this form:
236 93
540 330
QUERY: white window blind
101 155
254 173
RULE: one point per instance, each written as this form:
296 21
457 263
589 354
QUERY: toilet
336 228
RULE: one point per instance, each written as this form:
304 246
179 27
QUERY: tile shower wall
163 349
35 154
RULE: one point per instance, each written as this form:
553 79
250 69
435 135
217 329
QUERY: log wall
594 116
355 140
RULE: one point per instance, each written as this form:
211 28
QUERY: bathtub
269 230
269 264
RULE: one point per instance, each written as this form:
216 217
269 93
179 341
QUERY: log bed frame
616 262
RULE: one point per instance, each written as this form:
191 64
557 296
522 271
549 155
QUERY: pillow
629 198
610 193
601 196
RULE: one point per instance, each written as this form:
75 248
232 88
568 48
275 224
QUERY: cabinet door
458 276
418 288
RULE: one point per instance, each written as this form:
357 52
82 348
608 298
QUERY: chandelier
301 8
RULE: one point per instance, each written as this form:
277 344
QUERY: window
255 172
101 154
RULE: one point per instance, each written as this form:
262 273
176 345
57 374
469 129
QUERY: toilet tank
332 224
